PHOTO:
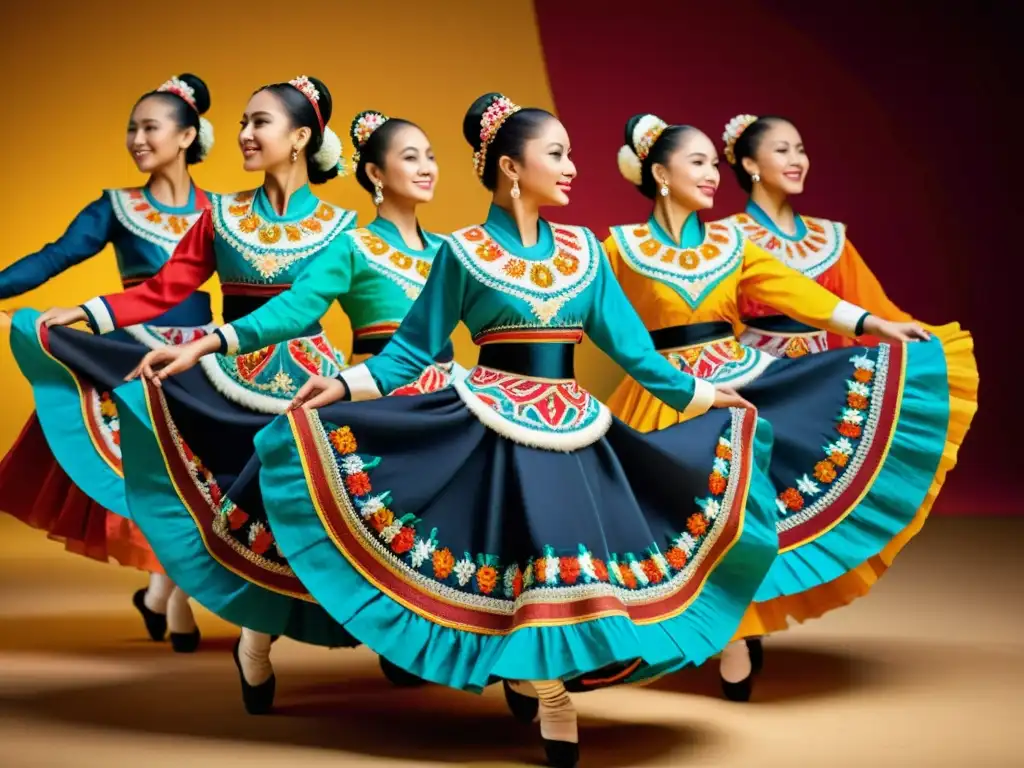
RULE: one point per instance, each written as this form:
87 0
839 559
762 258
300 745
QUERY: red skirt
35 490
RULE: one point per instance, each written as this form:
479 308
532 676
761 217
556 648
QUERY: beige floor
927 671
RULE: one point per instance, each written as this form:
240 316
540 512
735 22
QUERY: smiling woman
64 474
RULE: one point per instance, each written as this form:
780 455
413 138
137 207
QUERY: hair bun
642 131
364 124
475 113
200 91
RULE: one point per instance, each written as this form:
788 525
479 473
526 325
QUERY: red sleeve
191 265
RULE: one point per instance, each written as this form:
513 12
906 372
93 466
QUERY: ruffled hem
962 379
62 410
36 491
451 654
179 541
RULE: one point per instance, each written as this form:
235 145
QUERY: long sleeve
765 279
422 335
858 285
86 236
328 276
616 328
191 265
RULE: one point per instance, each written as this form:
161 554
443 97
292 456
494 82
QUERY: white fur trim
565 442
360 383
629 165
230 338
100 315
233 391
205 137
845 318
329 154
147 338
703 398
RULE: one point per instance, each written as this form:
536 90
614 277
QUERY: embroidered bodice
502 290
255 252
370 272
706 276
143 231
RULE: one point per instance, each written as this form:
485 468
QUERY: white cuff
845 318
230 339
360 383
101 316
703 398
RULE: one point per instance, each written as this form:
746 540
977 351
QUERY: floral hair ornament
178 87
500 109
329 155
733 130
648 129
363 126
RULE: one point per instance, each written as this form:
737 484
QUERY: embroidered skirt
457 548
64 474
864 437
187 445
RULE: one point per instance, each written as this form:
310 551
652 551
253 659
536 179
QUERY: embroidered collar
148 219
189 207
545 280
692 271
502 227
817 246
690 236
387 254
270 243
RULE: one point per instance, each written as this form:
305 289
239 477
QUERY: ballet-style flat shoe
258 699
156 623
523 708
185 642
756 650
561 754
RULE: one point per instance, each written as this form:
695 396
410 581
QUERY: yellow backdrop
63 139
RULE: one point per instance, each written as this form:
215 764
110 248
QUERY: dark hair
302 114
377 146
667 143
510 139
747 145
184 115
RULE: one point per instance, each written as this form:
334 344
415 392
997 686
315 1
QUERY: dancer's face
155 140
546 171
780 159
691 172
267 137
409 169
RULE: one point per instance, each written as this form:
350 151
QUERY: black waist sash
544 361
679 336
779 324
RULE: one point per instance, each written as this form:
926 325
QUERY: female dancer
508 527
64 474
257 242
375 273
859 433
767 155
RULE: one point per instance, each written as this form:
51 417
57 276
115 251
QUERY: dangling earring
756 177
664 189
378 192
295 154
515 189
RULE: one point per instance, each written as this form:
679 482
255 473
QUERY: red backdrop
908 119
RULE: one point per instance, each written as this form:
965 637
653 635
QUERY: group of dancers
782 433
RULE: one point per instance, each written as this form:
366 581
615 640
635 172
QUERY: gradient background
907 113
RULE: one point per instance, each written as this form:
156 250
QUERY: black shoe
258 699
738 691
755 648
562 754
523 708
398 676
156 623
185 642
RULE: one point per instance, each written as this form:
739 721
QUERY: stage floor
927 671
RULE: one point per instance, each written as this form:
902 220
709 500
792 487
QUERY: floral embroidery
409 272
483 573
818 250
136 214
692 272
108 413
533 403
269 247
851 423
546 285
